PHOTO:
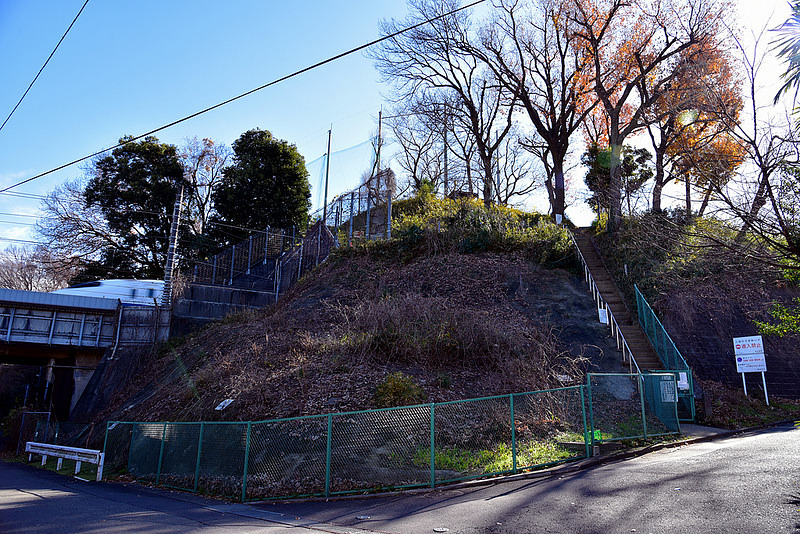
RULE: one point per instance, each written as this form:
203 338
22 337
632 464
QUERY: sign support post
749 354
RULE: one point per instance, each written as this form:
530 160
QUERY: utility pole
446 177
166 297
327 173
378 154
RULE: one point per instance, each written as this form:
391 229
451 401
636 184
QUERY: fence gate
631 406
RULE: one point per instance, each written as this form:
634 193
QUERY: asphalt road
748 483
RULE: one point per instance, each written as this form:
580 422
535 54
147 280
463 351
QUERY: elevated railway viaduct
66 336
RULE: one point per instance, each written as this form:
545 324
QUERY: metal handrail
622 344
679 360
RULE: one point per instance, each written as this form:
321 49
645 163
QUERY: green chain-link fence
624 406
393 448
669 355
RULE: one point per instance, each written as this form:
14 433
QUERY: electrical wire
45 64
247 93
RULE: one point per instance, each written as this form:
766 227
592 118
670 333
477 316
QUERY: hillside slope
461 325
706 294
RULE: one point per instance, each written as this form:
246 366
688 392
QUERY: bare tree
764 196
690 140
436 60
629 45
533 51
33 269
515 171
421 145
75 231
203 161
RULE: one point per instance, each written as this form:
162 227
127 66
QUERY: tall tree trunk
550 188
488 182
615 187
758 202
558 193
704 205
688 183
658 183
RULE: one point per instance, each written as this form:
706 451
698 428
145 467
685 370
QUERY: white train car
128 292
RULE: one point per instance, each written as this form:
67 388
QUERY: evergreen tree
267 185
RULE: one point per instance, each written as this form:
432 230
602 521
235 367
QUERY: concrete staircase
637 341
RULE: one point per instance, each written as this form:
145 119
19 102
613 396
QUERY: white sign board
668 391
603 314
683 381
749 354
224 404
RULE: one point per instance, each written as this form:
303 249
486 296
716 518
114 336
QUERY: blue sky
127 67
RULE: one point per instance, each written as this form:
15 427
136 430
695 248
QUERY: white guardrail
622 345
69 453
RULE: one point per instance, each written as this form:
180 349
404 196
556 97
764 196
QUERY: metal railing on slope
622 344
667 351
260 248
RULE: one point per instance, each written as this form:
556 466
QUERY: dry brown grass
451 321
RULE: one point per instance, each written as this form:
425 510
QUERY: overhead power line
45 64
248 93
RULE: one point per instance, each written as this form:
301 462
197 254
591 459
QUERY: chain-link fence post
350 234
130 445
590 439
433 444
640 383
388 215
249 253
161 454
105 442
299 263
513 435
199 452
277 276
319 242
369 209
328 457
246 461
585 430
233 261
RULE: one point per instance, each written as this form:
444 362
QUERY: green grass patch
497 459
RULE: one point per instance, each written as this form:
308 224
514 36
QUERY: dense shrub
398 389
426 226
